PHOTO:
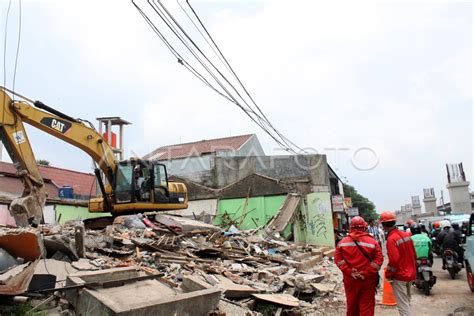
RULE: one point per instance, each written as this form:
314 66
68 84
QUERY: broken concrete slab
308 263
63 244
329 253
280 299
61 269
324 288
24 243
146 297
184 225
231 289
233 309
16 280
84 265
193 283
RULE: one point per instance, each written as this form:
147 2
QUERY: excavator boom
146 190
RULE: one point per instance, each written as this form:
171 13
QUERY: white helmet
445 224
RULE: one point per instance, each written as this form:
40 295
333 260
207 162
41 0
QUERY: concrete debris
280 299
164 265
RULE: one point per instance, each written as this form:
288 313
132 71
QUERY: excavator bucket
28 210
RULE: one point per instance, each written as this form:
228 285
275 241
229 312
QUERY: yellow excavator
127 186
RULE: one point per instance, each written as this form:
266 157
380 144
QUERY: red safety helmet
358 223
436 225
387 216
410 222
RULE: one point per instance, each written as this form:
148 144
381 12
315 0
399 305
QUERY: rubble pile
242 272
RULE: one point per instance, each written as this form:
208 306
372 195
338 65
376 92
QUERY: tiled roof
12 185
81 182
199 148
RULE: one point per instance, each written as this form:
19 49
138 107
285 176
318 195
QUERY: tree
366 206
43 162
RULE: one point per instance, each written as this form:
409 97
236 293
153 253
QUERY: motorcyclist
424 231
423 244
445 227
453 240
408 225
436 230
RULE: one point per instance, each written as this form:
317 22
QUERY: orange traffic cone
388 297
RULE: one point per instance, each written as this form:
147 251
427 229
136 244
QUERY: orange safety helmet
387 216
436 225
358 223
410 222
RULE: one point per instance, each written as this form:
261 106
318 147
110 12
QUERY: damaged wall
259 210
202 209
315 223
70 212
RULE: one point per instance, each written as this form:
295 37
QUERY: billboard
353 211
337 203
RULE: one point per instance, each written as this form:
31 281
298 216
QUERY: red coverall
401 256
360 294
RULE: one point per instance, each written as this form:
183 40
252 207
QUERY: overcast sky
395 77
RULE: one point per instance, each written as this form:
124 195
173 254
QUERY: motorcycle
452 264
339 235
424 276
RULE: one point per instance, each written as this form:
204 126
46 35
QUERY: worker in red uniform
359 257
401 268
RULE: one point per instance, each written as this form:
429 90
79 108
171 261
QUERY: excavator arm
28 208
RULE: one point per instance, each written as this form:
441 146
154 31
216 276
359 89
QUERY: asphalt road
448 297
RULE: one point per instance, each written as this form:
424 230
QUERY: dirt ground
448 297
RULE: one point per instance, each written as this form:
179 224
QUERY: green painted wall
69 212
259 210
318 219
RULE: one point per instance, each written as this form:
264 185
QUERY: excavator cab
143 181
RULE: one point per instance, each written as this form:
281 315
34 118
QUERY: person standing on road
374 232
359 257
401 268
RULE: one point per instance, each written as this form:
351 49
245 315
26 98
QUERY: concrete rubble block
230 309
61 269
193 283
324 288
330 253
230 289
62 244
316 251
311 278
145 297
84 265
307 264
184 225
25 245
302 256
280 299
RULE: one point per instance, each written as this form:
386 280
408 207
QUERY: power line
257 116
5 58
17 48
261 122
233 72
